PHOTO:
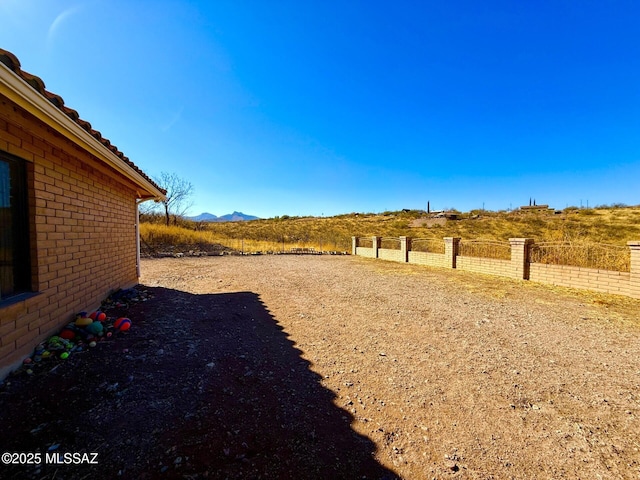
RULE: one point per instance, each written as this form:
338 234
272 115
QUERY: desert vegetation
581 235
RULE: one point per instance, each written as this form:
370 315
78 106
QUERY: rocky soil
340 367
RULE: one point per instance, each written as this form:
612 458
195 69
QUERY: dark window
15 264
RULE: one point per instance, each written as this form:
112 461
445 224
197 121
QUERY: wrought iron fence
431 245
485 249
364 242
392 243
582 254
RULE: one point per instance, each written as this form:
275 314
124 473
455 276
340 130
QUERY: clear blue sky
326 107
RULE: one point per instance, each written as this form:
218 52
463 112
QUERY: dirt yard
317 367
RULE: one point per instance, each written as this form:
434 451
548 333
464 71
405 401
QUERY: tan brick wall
83 232
428 258
587 278
489 266
391 254
366 252
634 277
620 283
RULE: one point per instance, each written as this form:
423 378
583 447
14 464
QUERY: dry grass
485 249
583 254
613 226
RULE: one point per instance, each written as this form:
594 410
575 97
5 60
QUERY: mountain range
230 217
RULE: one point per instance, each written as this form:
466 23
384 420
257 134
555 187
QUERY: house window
15 264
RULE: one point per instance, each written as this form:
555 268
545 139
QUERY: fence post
520 260
405 246
634 277
375 243
354 244
451 251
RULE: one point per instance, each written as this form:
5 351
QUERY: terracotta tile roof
12 62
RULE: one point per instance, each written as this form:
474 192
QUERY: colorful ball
95 328
83 321
98 316
67 334
122 324
64 355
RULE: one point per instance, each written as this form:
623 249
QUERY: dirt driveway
342 367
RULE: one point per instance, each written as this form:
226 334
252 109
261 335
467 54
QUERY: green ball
64 355
95 328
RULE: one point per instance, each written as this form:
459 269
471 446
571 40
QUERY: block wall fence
519 267
82 227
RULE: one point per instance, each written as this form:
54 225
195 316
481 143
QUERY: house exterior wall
82 227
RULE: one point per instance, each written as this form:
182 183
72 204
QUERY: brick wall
519 267
588 278
82 228
489 266
366 252
428 258
391 254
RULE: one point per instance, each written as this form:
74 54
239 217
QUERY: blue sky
326 107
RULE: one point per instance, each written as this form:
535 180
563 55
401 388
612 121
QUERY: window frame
20 241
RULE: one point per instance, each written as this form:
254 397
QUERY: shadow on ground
202 386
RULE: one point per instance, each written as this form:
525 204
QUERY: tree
178 198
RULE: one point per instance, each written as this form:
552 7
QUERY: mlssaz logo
72 458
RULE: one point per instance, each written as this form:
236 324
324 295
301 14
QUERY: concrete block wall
83 238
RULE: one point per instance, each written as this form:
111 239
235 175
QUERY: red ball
98 316
67 334
122 324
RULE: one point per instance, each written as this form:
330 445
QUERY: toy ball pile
93 327
85 330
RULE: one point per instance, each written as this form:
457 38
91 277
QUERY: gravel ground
345 367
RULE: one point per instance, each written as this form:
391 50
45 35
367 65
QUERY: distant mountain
231 217
204 217
236 217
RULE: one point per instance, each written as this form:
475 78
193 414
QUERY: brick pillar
354 244
634 278
405 246
451 251
375 241
520 248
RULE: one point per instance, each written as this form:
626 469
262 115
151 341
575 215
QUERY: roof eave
21 93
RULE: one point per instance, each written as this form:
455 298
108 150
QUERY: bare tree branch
178 198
